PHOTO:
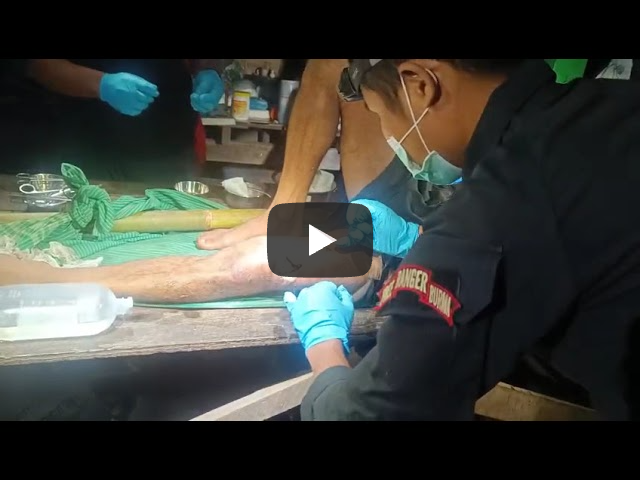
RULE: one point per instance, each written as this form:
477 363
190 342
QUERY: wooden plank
263 404
505 402
238 152
513 404
147 331
218 121
228 122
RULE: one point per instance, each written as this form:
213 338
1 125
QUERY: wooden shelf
231 123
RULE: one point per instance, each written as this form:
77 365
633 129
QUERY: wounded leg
238 271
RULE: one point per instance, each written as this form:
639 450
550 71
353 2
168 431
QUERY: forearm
66 78
326 355
312 128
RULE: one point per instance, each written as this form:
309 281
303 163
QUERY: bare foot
219 239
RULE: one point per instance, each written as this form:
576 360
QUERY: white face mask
435 169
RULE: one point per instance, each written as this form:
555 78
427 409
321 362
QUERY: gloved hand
127 93
207 91
392 235
320 313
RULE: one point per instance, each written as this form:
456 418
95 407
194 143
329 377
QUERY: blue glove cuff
101 88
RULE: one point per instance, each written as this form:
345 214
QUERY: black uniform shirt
542 238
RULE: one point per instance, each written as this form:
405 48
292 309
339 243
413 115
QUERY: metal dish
40 183
39 202
42 191
192 187
258 198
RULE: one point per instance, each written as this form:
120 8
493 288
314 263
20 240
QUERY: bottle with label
241 105
32 312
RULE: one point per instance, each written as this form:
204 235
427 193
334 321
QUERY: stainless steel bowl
192 187
42 191
258 198
40 183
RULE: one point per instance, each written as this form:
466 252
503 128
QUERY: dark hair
383 78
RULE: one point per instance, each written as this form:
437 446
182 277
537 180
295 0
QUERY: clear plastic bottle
31 312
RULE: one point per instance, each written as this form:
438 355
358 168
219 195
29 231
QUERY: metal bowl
258 198
40 183
192 187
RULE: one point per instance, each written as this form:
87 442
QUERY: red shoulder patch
418 280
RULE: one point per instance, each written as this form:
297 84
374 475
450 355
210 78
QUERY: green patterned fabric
92 208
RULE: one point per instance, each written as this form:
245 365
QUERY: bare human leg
240 270
313 127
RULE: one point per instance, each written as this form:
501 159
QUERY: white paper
322 182
236 186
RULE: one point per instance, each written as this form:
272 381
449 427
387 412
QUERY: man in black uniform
528 254
122 119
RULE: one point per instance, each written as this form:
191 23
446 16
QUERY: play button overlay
307 240
318 240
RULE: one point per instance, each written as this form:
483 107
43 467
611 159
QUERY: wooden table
253 151
147 331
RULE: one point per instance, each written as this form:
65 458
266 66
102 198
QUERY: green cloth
568 69
92 207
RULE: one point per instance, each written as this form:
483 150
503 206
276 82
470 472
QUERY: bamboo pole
184 220
163 221
8 217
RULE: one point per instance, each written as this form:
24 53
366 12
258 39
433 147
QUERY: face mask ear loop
413 116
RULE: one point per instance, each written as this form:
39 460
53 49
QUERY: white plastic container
241 105
32 312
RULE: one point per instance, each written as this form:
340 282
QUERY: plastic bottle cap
123 305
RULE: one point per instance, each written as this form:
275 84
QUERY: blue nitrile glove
207 91
320 313
127 93
392 235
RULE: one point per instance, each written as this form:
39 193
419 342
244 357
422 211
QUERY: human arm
65 77
312 128
427 364
311 131
397 380
128 94
241 270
